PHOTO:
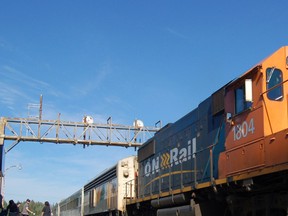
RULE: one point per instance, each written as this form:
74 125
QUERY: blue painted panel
172 165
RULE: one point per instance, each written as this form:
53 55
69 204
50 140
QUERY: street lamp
18 166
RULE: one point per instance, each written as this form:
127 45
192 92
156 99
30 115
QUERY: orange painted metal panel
245 128
276 148
275 112
222 166
265 143
247 125
245 158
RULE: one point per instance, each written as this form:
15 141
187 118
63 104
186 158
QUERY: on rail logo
165 160
171 158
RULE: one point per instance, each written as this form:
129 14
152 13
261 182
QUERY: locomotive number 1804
243 130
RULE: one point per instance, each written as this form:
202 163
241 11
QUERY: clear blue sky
151 60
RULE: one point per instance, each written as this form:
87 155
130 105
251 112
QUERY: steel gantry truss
66 132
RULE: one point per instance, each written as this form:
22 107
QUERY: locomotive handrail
270 89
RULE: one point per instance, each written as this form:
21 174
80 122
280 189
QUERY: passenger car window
273 82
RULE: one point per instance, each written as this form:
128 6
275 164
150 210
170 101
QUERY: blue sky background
150 60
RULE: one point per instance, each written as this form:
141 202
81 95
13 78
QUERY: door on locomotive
256 107
275 71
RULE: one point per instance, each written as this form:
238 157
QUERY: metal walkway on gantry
35 129
66 132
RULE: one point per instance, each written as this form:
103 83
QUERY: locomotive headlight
287 61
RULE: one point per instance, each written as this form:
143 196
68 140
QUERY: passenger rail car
229 156
106 194
69 206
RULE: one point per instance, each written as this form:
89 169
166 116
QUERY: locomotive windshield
274 80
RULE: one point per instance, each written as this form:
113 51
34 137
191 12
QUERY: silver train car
106 194
69 206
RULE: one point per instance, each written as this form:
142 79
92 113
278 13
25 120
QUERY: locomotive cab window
243 97
273 84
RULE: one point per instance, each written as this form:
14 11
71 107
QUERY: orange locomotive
229 156
256 130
